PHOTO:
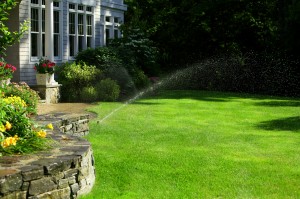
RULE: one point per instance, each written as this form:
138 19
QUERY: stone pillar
49 30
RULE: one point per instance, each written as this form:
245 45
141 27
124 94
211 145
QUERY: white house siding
13 54
19 54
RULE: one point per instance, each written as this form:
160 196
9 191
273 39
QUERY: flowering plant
19 133
44 66
6 70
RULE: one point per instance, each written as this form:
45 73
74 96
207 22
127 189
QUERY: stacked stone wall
66 171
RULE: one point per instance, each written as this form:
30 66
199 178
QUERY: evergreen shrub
89 94
74 77
108 90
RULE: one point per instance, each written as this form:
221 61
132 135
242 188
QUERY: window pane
80 43
43 44
80 24
116 20
80 7
72 45
35 1
107 19
56 44
56 4
107 33
34 44
71 6
89 24
89 9
34 20
116 34
89 42
43 20
43 2
56 21
71 23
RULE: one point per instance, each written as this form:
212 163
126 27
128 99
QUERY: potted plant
6 72
45 72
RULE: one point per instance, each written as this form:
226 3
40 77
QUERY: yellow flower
15 100
41 134
8 126
49 126
2 128
10 141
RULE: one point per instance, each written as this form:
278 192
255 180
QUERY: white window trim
85 13
61 14
40 7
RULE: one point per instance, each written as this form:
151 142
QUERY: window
116 33
80 28
56 37
116 19
111 27
34 31
37 31
89 31
107 34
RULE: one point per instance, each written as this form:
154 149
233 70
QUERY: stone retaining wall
71 124
66 171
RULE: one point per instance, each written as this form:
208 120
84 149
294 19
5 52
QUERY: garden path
65 108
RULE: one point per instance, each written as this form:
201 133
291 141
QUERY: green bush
102 57
117 63
22 90
89 94
74 77
108 90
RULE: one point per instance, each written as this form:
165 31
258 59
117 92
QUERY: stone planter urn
46 79
4 82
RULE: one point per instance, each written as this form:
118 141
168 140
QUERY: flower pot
4 82
45 79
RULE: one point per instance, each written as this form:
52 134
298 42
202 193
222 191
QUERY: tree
7 37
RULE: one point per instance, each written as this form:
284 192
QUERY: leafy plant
6 70
22 90
74 77
7 37
18 133
89 94
108 90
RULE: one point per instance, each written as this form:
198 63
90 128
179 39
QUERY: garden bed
66 171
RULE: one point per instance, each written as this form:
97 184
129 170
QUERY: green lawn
195 144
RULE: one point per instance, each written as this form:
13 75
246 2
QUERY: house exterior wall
20 54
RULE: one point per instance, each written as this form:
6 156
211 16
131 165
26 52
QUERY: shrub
74 77
117 63
89 94
102 57
108 90
22 90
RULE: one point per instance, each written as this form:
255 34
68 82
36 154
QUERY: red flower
13 69
44 65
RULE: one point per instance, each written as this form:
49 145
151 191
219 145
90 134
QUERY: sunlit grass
192 144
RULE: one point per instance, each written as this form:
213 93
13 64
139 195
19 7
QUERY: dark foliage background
190 31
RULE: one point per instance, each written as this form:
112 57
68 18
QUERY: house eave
122 7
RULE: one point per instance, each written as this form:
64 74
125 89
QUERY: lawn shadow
191 94
279 103
283 124
145 103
